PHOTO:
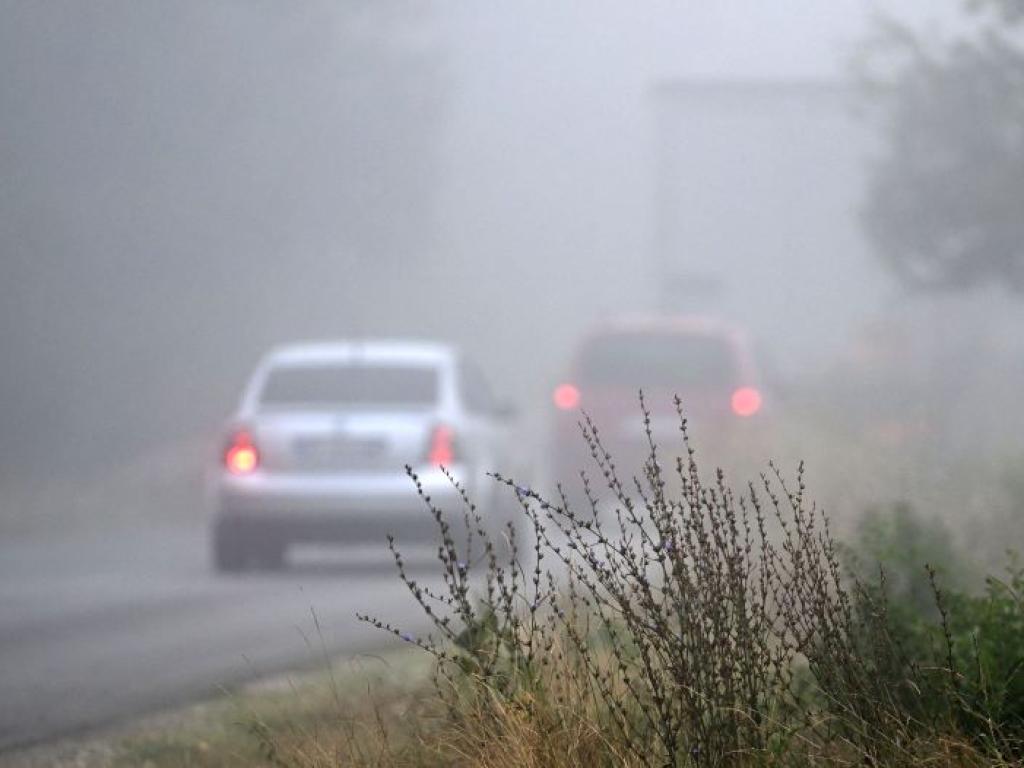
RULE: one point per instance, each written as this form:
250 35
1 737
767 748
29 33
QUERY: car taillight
241 456
746 401
442 446
566 397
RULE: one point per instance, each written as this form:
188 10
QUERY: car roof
661 323
683 324
388 351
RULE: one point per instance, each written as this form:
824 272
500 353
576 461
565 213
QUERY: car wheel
270 554
229 551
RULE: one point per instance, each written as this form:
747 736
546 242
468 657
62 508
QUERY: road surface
102 626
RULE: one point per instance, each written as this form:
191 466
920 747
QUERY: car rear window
350 386
664 361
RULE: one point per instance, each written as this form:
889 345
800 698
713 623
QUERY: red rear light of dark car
746 401
442 446
566 397
241 456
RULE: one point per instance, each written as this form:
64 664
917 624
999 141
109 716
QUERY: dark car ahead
706 363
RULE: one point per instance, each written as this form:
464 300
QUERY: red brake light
746 401
442 448
566 397
241 456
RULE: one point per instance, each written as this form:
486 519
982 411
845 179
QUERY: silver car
318 448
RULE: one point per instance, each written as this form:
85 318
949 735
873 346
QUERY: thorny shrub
692 626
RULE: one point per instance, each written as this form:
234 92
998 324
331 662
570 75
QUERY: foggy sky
183 185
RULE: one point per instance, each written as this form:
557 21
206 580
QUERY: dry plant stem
673 624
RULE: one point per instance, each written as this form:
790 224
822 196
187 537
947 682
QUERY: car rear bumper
339 508
412 528
724 442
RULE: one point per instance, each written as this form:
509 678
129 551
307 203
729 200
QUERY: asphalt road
102 626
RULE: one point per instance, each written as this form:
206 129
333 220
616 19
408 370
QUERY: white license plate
337 452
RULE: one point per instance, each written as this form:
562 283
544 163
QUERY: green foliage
986 645
901 542
967 647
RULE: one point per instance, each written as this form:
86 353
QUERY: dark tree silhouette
945 200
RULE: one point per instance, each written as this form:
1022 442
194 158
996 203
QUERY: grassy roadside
697 627
309 717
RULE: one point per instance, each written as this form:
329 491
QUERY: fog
185 185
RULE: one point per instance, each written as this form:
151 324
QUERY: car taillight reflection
442 446
566 397
746 401
241 456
